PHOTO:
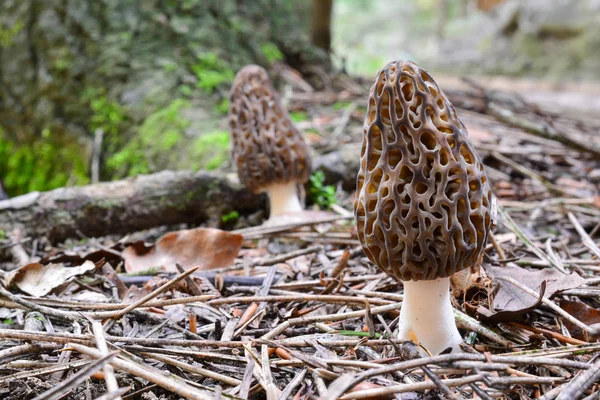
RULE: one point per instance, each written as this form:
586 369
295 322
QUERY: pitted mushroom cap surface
267 148
423 199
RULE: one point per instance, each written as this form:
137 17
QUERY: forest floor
298 311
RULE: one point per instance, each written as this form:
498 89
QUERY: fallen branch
146 201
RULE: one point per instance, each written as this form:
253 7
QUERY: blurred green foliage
323 195
339 105
160 132
230 217
153 76
298 116
106 114
211 72
7 35
211 150
44 164
271 52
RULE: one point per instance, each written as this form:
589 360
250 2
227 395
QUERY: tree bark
146 201
321 24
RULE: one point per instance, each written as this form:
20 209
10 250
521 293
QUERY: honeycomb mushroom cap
423 199
267 148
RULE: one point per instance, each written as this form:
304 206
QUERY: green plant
211 72
223 106
7 35
298 116
107 114
323 195
339 105
231 216
271 52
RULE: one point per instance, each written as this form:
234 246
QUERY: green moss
46 163
211 72
211 150
185 90
160 132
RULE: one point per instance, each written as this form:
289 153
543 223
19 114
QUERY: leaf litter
297 311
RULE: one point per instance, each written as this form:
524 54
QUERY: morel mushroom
268 151
423 207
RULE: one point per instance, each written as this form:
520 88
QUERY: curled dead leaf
38 280
509 301
210 248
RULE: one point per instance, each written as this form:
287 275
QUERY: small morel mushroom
423 206
268 151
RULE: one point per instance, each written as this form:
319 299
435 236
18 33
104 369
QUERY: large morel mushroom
268 151
423 207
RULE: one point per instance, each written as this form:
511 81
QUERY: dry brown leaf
210 248
581 311
38 280
111 276
511 299
465 283
510 315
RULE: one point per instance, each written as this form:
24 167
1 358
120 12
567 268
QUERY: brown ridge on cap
423 199
267 148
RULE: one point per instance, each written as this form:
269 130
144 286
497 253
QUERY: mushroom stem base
283 199
427 316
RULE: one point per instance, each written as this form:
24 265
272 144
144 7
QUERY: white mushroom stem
427 316
283 199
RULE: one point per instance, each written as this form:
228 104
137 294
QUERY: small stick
176 386
300 297
527 172
116 394
155 293
499 250
26 349
287 392
576 387
331 317
263 291
75 380
585 238
43 371
109 373
510 224
343 121
194 369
